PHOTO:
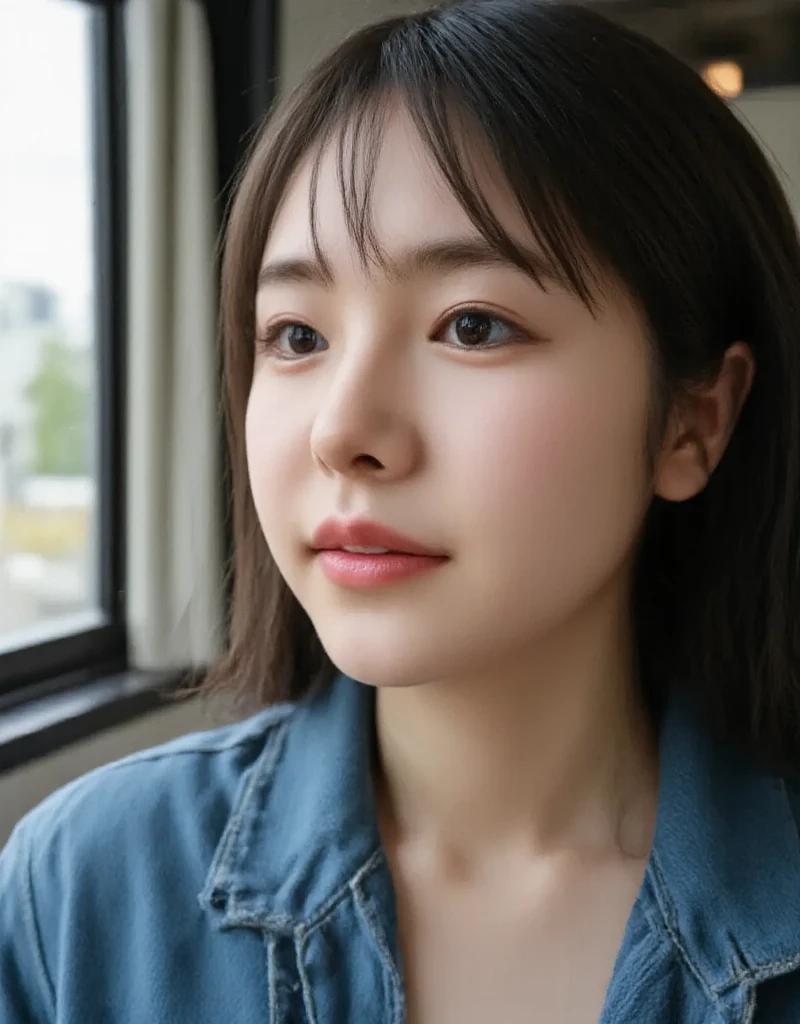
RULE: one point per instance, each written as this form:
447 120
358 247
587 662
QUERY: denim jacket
238 876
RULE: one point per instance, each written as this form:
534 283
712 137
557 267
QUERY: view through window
48 459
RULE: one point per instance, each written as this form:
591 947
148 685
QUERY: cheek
559 464
277 454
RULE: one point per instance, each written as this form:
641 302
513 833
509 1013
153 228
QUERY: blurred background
121 124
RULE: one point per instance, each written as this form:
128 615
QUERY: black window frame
66 689
70 659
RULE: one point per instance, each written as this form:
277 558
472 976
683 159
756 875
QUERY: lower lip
368 572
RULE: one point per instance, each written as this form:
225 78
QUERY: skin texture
517 777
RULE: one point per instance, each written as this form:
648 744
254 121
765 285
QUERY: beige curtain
174 535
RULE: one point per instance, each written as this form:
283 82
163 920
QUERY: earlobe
700 427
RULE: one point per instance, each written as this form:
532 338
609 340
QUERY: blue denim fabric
238 876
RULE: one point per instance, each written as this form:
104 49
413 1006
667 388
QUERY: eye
291 340
475 328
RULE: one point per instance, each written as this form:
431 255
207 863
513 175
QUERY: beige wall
310 28
774 116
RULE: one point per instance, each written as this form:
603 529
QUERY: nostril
368 460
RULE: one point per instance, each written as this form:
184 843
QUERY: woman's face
458 403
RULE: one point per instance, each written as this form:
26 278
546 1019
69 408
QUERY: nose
365 425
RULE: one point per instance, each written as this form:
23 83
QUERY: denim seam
377 934
307 928
746 973
300 944
765 971
36 936
655 919
239 916
282 712
219 876
750 1008
670 919
328 908
272 981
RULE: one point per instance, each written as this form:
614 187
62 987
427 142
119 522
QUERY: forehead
409 200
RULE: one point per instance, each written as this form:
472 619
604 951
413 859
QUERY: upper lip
365 533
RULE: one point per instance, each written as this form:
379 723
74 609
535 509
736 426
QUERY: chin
380 670
395 661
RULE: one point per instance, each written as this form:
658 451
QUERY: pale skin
518 775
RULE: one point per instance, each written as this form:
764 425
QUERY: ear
700 427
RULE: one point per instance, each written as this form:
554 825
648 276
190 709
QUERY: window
61 317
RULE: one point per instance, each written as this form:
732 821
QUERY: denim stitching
260 917
278 717
219 876
300 944
397 990
377 934
670 919
740 971
327 909
750 1008
272 982
654 920
242 916
33 924
306 929
743 975
765 971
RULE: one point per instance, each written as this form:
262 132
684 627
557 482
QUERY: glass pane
48 490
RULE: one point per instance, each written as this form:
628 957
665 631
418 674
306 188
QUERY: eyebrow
443 257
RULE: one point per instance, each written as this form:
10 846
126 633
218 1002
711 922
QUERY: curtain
174 524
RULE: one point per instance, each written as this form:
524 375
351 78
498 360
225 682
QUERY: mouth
368 568
363 554
365 551
368 538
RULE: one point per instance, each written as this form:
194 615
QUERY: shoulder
153 817
194 777
122 851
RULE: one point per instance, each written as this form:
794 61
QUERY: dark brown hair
621 158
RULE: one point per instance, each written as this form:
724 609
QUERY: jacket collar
726 857
305 823
725 863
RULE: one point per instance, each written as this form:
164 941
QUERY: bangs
463 151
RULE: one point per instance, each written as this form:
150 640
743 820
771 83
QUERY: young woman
511 310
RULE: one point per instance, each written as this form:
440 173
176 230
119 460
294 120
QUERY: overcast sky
45 183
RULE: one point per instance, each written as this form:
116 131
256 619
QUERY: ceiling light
725 77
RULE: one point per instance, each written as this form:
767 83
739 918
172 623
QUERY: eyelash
267 340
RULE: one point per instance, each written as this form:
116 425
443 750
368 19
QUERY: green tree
61 411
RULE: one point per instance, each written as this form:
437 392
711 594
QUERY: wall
310 28
774 117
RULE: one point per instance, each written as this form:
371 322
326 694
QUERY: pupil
473 329
302 339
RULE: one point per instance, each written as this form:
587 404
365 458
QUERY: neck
551 749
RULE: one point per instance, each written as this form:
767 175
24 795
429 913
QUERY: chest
538 953
511 962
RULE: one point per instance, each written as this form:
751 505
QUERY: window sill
44 724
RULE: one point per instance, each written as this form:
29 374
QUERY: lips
336 534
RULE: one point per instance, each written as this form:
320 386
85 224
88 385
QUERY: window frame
61 660
63 690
